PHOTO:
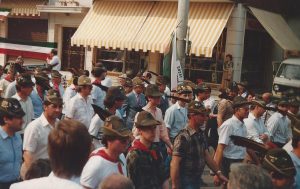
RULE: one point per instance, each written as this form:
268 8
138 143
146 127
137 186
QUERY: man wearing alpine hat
109 159
190 152
11 114
227 152
36 133
145 163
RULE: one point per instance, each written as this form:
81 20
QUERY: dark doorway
72 56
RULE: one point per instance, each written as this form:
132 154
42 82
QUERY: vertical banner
176 70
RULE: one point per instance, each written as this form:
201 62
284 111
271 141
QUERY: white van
287 78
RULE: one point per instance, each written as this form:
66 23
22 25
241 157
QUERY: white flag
176 70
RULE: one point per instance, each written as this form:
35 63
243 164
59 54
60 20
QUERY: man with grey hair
248 176
116 181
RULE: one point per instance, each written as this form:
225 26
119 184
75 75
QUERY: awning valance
149 25
22 7
278 28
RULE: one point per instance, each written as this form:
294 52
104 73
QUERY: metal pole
181 30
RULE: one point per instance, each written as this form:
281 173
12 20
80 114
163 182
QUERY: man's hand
217 181
264 137
222 178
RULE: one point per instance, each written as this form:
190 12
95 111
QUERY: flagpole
181 30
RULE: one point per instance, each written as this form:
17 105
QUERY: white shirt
55 59
27 108
36 137
107 82
80 109
3 85
69 93
232 126
10 90
255 127
50 182
98 168
277 125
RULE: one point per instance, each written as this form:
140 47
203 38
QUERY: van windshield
289 71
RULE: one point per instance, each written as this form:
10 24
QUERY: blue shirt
175 119
296 162
10 156
37 103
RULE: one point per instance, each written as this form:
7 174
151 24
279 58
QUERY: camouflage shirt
190 146
145 171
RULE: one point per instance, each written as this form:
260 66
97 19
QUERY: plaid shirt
144 171
190 146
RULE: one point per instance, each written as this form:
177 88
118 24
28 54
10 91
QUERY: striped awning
278 28
112 24
149 25
22 7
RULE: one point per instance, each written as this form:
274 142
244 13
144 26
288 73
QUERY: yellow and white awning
112 24
149 25
278 28
22 7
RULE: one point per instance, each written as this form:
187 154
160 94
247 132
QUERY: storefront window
122 61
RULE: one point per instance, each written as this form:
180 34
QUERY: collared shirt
10 90
278 128
268 113
36 137
55 59
80 109
27 108
161 131
50 182
190 146
10 156
3 85
255 127
175 119
37 103
232 126
296 161
98 96
69 93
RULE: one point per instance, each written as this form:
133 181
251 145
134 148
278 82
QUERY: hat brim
147 123
18 114
195 111
155 94
110 132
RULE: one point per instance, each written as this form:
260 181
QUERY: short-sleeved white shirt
27 108
10 90
69 93
98 96
3 85
255 127
97 169
55 59
232 126
36 137
50 182
80 109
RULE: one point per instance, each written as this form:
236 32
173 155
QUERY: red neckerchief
137 145
97 82
104 155
7 78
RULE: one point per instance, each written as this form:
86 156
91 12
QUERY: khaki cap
115 126
278 160
239 102
184 89
84 80
152 90
197 108
53 97
145 119
260 103
137 82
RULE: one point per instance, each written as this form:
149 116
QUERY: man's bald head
116 181
267 97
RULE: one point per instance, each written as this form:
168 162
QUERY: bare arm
28 158
175 168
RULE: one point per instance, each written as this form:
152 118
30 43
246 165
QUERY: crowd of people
140 134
